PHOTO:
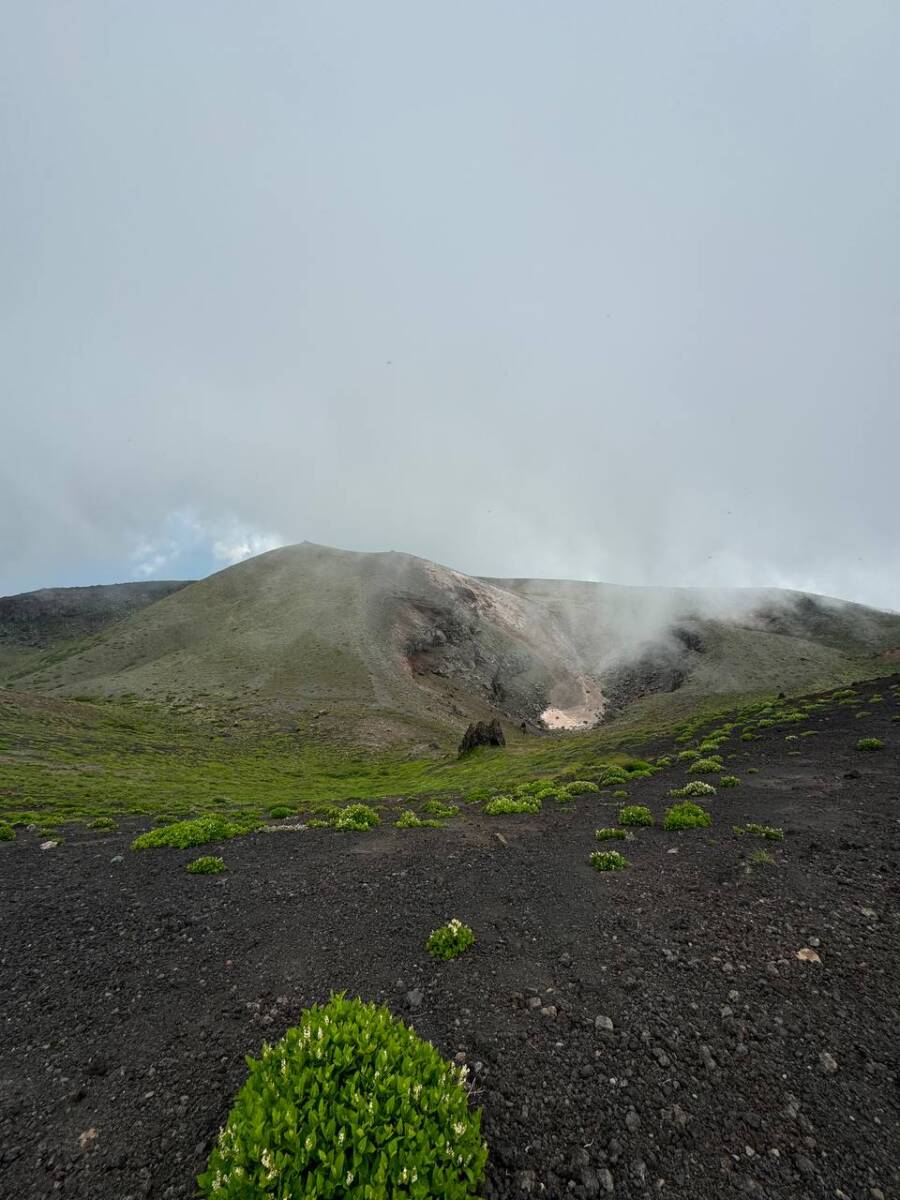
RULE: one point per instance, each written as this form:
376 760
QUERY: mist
606 292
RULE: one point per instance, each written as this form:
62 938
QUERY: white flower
308 1142
349 1178
341 1138
459 1128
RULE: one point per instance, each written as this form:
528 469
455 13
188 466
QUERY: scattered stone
87 1138
604 1024
827 1063
548 1010
117 858
49 845
606 1179
414 998
632 1121
808 955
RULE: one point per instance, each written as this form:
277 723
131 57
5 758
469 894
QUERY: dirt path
130 991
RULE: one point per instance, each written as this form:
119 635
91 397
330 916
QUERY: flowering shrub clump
606 835
727 781
408 820
581 787
182 834
697 787
612 775
208 864
608 860
635 814
686 815
664 760
442 812
450 940
356 816
688 755
870 743
770 832
349 1105
7 833
706 766
620 794
501 805
102 823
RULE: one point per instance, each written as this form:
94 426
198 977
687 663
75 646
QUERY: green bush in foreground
102 823
581 787
408 820
686 815
7 833
607 835
501 805
450 940
208 864
635 814
697 787
349 1105
358 817
182 834
608 860
729 781
870 743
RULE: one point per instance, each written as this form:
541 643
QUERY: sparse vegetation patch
182 834
697 787
635 814
450 940
870 743
610 834
208 864
686 815
608 860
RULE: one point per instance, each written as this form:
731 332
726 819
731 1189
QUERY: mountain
54 620
391 647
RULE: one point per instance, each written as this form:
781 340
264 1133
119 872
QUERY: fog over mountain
611 294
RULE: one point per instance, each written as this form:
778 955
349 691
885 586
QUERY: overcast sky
605 290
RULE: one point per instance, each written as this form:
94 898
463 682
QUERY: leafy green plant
612 775
501 805
207 864
635 814
620 794
196 832
350 1105
729 781
748 736
608 860
439 811
870 743
359 817
686 815
450 940
688 755
581 787
609 834
664 760
7 833
278 811
770 832
408 820
102 823
697 787
706 766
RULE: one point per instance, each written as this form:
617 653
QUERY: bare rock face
482 733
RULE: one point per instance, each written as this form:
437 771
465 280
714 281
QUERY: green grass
196 832
7 833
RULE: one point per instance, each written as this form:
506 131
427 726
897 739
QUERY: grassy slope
66 760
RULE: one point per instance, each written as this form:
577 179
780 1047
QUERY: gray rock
604 1024
632 1121
606 1180
827 1064
414 998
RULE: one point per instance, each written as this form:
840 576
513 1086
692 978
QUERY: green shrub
349 1105
501 805
761 858
208 864
729 781
870 743
439 811
620 794
581 787
102 823
747 736
635 814
450 940
612 775
408 820
665 760
697 787
606 835
608 860
195 832
7 833
478 795
706 766
770 832
281 810
688 755
686 815
359 817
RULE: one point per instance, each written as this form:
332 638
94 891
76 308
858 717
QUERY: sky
596 290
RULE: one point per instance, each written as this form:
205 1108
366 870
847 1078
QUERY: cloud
245 544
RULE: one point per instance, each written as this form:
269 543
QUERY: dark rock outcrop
482 733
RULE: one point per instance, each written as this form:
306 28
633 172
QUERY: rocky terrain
649 1032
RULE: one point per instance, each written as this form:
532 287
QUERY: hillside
47 624
393 647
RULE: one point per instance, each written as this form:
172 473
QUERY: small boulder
482 733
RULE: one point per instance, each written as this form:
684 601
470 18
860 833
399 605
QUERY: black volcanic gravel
130 991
